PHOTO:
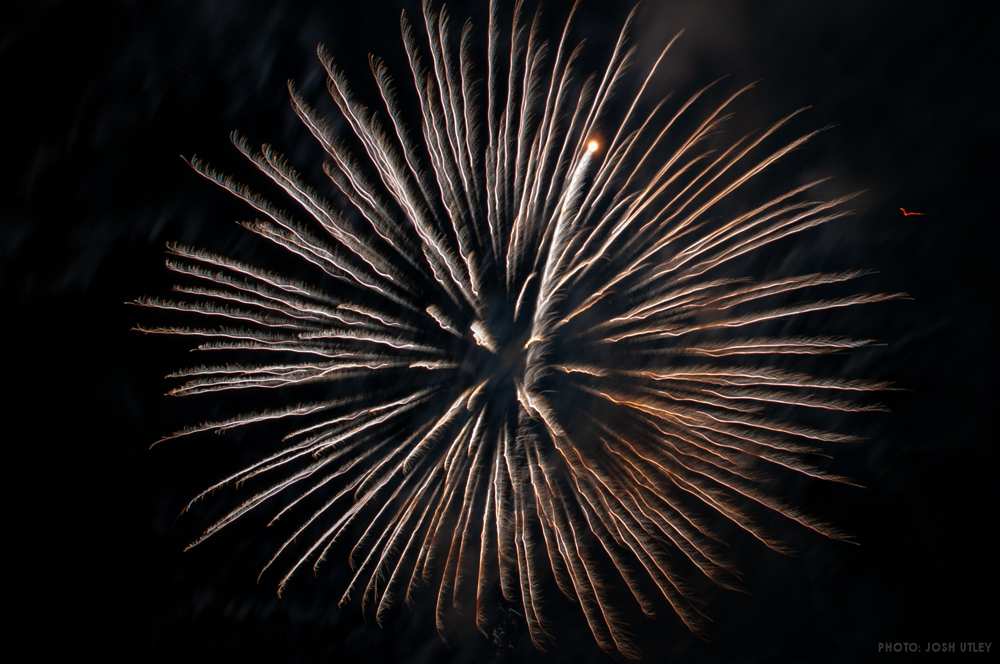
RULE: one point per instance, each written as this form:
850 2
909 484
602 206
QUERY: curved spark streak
523 326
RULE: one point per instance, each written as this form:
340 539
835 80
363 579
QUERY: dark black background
103 98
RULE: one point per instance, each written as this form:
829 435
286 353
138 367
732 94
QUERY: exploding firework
530 367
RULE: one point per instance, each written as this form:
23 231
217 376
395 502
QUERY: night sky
105 98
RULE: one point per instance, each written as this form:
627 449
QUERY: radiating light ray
522 361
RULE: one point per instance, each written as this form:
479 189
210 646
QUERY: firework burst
536 372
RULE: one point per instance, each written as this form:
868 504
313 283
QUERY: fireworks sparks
529 351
